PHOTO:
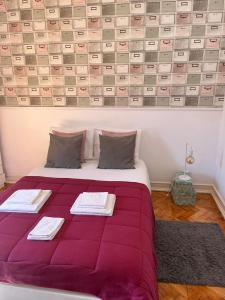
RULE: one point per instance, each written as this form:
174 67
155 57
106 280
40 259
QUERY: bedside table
182 191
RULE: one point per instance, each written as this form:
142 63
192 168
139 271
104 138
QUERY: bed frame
26 292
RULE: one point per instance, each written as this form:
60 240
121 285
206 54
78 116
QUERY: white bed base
28 292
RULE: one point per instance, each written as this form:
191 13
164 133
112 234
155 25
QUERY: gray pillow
117 152
64 152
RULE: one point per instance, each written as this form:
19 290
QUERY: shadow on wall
166 159
159 159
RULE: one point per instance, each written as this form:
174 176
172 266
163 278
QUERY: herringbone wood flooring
205 210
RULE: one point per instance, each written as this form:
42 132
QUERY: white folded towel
97 200
24 196
27 208
76 209
46 229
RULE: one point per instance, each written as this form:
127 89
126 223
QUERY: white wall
24 136
220 171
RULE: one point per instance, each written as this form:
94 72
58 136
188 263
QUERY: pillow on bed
117 152
88 143
72 134
64 152
116 133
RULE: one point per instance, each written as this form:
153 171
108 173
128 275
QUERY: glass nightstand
182 191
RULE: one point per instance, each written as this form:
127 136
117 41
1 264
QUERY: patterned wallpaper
112 53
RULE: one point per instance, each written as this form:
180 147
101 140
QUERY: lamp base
184 177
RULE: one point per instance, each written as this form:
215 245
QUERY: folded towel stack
46 229
100 204
24 196
26 201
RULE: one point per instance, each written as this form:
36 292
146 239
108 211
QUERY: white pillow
97 132
88 150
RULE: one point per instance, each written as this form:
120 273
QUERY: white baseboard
160 186
2 180
165 186
220 202
12 179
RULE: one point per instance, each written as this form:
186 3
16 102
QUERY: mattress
110 257
90 170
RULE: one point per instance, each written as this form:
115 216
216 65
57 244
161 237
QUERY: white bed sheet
90 170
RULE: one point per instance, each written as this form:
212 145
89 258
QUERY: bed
91 257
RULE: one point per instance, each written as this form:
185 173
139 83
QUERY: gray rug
190 253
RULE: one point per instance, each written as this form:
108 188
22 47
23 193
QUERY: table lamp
189 159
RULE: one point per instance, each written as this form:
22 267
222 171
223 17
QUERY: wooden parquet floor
205 210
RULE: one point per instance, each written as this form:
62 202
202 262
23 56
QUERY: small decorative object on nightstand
182 191
189 159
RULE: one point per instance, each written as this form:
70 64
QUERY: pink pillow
72 134
118 134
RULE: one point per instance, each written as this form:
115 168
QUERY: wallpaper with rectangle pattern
112 53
